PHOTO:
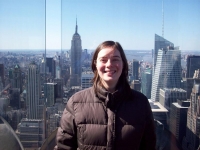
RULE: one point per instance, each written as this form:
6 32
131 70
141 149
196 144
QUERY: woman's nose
108 63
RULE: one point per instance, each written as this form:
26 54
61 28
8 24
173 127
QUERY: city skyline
132 23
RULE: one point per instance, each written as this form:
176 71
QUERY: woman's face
109 66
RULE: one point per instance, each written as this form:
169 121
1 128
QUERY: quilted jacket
106 121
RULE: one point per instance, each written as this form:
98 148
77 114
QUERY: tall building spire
163 18
76 26
76 51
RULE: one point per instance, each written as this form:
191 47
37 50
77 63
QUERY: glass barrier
46 50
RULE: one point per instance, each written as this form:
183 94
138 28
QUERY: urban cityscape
35 87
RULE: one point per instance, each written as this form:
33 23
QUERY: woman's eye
115 59
103 60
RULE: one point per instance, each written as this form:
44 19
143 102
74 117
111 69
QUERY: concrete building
178 119
171 95
76 51
188 83
136 85
86 80
159 112
191 140
31 133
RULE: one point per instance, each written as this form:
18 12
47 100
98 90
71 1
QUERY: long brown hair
123 78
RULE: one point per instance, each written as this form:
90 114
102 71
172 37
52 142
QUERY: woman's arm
66 138
149 136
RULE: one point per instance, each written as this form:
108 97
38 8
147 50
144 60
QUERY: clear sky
133 23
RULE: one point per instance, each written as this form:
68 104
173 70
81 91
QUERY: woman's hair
123 78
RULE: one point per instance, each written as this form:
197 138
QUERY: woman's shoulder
82 95
138 95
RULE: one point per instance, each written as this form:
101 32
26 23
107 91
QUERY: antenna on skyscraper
163 18
76 25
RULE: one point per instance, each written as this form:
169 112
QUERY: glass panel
22 45
46 49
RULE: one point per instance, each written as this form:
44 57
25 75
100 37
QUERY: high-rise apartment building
167 71
76 51
33 91
193 63
191 140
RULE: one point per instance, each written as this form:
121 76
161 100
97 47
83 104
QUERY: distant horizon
3 50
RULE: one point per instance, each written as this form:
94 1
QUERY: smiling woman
108 115
109 65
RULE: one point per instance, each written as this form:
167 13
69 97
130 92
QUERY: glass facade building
167 71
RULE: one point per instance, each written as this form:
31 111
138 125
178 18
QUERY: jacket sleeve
149 136
66 138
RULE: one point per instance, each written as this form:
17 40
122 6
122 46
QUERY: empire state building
76 51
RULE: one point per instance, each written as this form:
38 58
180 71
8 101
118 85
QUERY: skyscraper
191 140
76 51
146 81
50 93
135 69
193 63
2 74
178 119
51 67
160 43
33 91
16 78
167 71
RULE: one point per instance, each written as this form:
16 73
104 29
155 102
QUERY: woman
109 115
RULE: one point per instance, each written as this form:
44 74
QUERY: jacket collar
109 99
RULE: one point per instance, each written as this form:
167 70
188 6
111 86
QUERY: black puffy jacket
106 121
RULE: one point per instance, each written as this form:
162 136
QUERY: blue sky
133 23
